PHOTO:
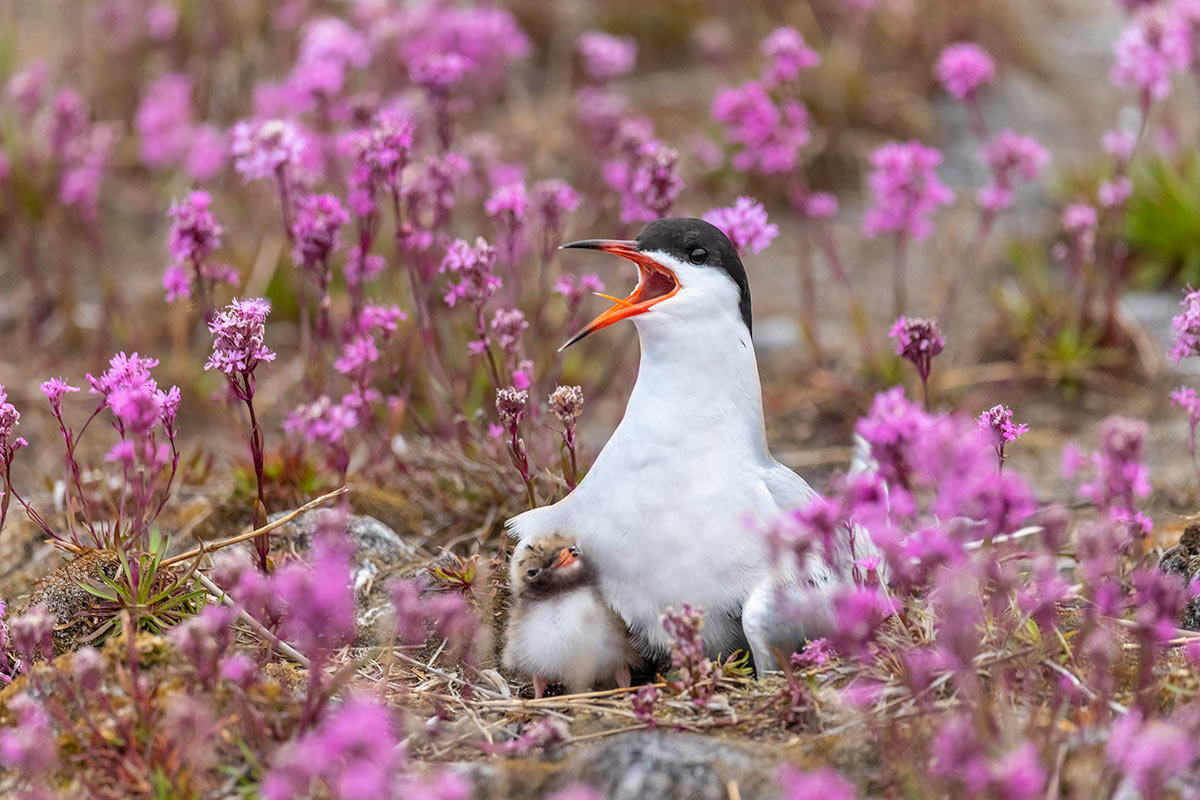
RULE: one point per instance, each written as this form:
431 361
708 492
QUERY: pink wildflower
787 55
905 190
963 68
605 56
770 135
745 223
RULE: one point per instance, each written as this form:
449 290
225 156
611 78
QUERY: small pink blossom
787 55
963 68
1151 47
745 223
905 190
605 56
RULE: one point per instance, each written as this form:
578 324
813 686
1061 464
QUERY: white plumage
571 638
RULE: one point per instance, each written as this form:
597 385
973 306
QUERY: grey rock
380 554
372 539
658 765
644 765
1183 561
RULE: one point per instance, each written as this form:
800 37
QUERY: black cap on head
694 241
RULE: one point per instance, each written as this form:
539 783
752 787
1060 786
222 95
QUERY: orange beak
655 284
566 557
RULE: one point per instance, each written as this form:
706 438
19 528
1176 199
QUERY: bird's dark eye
698 256
533 573
573 551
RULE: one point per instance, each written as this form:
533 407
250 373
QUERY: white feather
572 638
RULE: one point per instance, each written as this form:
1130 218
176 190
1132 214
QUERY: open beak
655 284
566 557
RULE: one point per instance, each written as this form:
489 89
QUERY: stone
380 555
641 765
372 539
1183 561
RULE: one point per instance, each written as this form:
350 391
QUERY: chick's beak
656 282
566 557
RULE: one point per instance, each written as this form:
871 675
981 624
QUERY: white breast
571 638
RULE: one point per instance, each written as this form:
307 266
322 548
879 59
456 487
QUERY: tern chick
559 628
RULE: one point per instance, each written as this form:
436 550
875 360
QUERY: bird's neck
697 390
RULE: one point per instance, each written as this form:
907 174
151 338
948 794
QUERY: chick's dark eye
698 256
532 573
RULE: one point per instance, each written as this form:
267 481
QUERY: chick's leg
539 687
624 679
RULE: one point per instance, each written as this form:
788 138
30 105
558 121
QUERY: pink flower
357 356
1186 325
323 421
315 229
822 784
161 20
486 38
30 746
787 55
507 327
124 372
905 190
238 337
963 68
1119 144
195 232
317 597
1114 193
770 134
918 340
1149 752
1010 155
745 223
1120 474
820 205
27 87
384 319
208 152
572 289
55 390
507 207
380 152
1079 221
1187 399
439 72
354 752
260 149
474 269
164 120
605 56
998 423
552 200
1152 46
647 178
177 283
329 48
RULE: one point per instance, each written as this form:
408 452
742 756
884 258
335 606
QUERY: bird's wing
534 523
787 489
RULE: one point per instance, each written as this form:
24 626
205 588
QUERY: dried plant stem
254 624
263 531
412 662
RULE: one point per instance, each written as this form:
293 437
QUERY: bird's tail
861 461
531 523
